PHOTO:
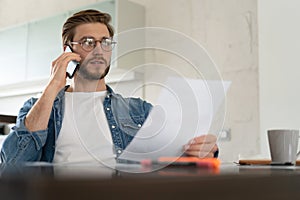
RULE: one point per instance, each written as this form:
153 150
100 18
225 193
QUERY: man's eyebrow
84 37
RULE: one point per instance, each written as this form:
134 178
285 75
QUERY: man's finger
201 147
209 138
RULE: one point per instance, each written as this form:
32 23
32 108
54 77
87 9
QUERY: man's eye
107 42
89 42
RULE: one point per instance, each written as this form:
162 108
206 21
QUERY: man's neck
80 85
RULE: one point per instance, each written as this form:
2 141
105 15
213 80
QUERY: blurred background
253 43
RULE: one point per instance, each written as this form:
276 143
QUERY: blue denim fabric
125 116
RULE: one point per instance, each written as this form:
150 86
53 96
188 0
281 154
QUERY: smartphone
72 66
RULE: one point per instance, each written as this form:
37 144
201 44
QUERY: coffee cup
283 145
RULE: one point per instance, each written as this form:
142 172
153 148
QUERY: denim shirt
125 116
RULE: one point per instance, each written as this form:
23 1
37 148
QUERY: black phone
72 66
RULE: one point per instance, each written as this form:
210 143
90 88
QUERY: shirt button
108 96
107 108
113 126
119 151
139 125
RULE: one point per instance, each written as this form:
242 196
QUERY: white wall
18 12
227 29
279 50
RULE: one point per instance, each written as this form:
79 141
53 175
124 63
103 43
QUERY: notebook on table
260 162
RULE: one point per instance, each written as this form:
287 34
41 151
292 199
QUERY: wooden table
93 182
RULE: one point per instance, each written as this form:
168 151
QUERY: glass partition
13 46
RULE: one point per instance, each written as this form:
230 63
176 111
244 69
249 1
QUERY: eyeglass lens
89 44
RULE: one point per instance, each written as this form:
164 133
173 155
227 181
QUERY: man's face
95 63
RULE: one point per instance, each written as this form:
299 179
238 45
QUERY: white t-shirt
85 136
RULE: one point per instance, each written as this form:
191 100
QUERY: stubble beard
86 74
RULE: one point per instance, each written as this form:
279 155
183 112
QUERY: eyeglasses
89 43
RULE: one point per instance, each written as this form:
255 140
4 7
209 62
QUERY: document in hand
184 109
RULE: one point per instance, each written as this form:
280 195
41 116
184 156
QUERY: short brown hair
84 17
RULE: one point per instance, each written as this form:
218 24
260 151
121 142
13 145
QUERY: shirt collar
61 93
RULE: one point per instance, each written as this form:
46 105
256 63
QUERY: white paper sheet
185 109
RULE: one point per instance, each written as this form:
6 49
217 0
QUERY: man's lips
97 62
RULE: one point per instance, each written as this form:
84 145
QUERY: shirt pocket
131 126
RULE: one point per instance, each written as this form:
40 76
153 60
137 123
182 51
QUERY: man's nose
98 49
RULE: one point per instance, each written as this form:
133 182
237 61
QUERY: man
80 122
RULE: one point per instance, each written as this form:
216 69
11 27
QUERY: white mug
283 146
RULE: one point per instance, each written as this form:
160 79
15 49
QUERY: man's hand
38 116
59 68
203 146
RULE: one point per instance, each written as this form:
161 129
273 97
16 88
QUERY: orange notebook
184 161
